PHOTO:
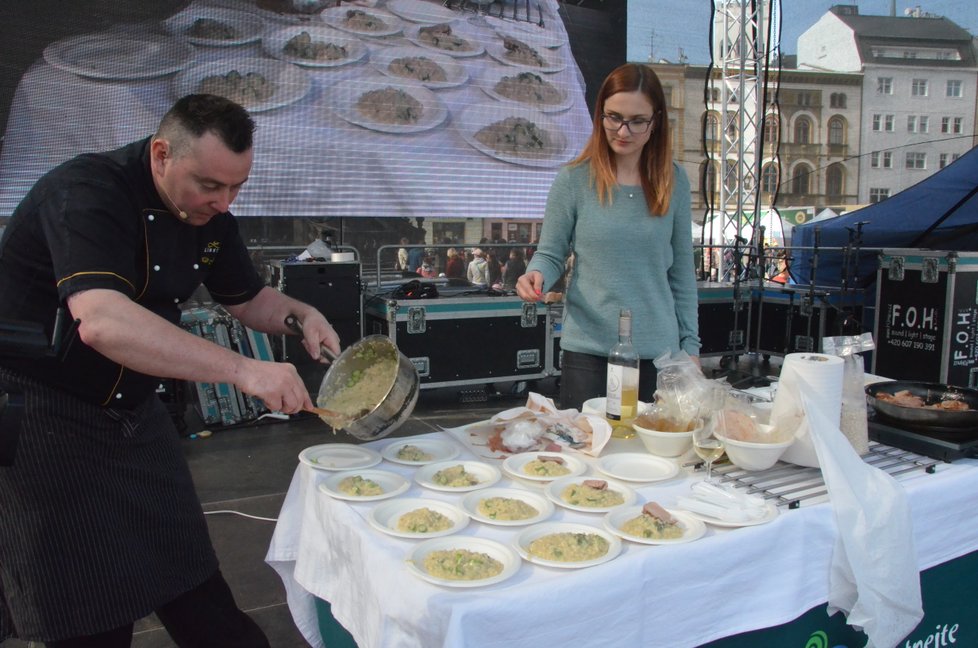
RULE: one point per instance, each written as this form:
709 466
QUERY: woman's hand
530 286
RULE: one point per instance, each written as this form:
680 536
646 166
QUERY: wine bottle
622 393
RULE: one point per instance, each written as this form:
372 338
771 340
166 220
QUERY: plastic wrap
853 421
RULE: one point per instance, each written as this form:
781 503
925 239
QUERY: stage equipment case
336 291
792 319
927 316
465 340
723 322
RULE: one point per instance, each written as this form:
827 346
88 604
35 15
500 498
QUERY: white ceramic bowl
755 456
664 444
596 406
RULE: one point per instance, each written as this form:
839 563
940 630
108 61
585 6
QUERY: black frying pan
923 417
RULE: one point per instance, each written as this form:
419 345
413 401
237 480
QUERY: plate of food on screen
515 134
314 46
215 26
512 51
542 92
454 39
433 70
120 56
256 84
363 21
387 105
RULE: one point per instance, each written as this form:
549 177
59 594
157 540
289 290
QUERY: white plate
513 466
486 474
339 456
439 449
476 117
530 534
471 505
491 76
336 17
291 83
460 29
247 26
551 61
421 11
392 483
694 528
533 33
275 42
120 56
509 558
772 512
343 96
637 467
455 73
384 517
556 487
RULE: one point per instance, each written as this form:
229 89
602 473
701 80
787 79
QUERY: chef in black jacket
99 521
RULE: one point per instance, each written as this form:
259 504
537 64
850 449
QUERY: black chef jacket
97 221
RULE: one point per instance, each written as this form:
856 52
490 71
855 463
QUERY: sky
668 25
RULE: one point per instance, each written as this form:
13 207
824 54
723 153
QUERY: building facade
920 83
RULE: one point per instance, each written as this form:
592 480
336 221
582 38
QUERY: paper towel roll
819 377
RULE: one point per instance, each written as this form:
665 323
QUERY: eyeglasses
634 126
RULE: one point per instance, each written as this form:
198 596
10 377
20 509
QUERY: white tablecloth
309 161
728 582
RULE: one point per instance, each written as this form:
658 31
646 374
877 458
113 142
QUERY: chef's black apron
82 552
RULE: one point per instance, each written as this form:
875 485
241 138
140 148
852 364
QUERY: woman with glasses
623 207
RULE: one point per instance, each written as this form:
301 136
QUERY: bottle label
622 391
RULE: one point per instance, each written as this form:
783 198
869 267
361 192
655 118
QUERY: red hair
655 163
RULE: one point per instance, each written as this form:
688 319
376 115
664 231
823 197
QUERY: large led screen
411 108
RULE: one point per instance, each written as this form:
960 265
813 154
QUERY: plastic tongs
723 503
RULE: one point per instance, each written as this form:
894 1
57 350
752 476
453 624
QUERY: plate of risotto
457 476
417 518
256 84
567 545
430 69
388 105
460 561
546 93
314 46
589 495
364 485
654 525
515 134
543 467
507 506
362 21
419 452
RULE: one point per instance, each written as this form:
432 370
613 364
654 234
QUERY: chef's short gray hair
194 115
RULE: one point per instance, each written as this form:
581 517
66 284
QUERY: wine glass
707 445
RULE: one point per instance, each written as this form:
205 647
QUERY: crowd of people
495 264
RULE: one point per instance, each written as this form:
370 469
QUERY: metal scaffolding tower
745 46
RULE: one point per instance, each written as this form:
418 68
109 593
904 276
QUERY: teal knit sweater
624 258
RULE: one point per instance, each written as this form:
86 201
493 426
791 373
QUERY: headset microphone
180 213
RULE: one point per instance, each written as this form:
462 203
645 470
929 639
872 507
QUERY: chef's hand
530 286
316 331
277 384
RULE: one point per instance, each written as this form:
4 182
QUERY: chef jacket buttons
176 300
196 267
118 396
151 217
156 268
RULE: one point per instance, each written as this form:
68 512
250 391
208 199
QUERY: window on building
667 91
711 129
881 160
918 88
772 130
837 131
769 178
803 130
916 160
884 85
918 123
806 98
835 180
888 122
878 194
942 161
837 100
801 180
887 160
954 88
956 124
945 124
733 133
